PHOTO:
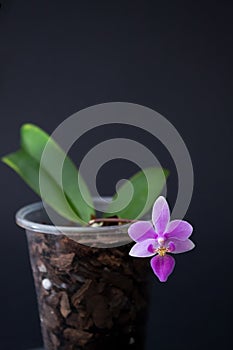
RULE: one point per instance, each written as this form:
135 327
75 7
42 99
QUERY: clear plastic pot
88 297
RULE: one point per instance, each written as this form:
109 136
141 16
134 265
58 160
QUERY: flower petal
143 249
162 266
141 230
181 246
160 215
179 229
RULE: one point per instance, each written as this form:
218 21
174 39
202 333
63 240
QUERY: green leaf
143 193
33 142
28 169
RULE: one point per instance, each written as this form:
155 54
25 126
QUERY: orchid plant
160 238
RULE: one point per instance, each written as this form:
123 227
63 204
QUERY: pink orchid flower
161 237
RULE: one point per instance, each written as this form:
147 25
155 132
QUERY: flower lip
163 266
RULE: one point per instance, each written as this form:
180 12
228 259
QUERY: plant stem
113 220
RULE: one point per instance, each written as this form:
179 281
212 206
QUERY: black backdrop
58 57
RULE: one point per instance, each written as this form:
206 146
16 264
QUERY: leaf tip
27 127
6 160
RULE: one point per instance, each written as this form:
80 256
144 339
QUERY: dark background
57 57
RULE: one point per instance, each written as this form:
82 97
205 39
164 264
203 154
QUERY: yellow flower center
161 251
